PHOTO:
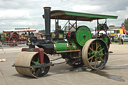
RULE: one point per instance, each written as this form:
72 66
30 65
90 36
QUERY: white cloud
85 8
28 13
123 12
2 23
14 14
26 23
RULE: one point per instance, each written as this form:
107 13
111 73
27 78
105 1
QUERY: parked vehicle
117 30
114 32
125 37
76 47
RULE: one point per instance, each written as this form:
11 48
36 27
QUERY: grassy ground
118 42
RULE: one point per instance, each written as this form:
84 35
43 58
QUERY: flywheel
83 34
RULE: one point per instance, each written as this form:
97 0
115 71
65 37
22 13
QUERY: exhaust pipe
47 22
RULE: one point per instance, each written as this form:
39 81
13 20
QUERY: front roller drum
25 60
95 54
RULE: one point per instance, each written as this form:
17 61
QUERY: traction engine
76 47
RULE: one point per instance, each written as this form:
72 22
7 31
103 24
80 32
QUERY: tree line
125 23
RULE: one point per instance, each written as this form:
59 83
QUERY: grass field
118 42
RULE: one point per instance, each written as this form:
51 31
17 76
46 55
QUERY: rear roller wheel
95 54
27 59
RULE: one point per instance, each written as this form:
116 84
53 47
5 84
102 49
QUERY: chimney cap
47 7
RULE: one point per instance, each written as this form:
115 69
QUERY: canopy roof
68 15
12 31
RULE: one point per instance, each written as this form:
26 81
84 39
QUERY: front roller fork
32 62
39 50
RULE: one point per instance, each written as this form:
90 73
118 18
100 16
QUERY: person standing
2 39
119 39
122 39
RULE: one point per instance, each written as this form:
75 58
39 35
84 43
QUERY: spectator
120 39
2 39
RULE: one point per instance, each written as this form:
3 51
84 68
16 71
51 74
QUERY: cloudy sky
28 13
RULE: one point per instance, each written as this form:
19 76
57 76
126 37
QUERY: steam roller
77 47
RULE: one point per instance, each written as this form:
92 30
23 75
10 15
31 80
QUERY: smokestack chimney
47 22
